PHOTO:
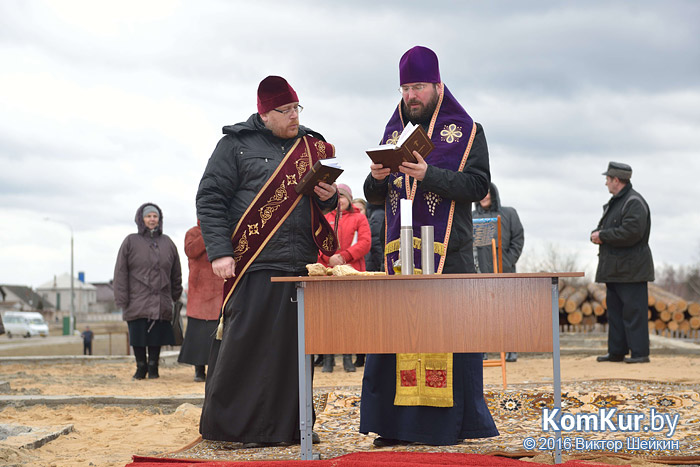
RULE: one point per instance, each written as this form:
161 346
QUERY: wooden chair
487 231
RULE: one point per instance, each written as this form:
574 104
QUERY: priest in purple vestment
442 185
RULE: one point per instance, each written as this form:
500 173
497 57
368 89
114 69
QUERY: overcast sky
107 105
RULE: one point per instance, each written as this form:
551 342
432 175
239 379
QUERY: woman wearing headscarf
355 240
147 280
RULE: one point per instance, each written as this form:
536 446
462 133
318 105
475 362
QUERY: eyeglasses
415 88
296 108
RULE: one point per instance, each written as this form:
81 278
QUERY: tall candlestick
406 206
427 254
406 250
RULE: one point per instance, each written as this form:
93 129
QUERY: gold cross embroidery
393 138
451 133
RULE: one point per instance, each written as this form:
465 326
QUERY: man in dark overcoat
625 265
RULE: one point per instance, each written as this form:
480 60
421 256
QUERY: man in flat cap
256 226
625 266
447 404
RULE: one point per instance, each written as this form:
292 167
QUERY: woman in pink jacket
355 240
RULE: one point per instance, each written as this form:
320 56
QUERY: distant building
58 291
23 298
105 298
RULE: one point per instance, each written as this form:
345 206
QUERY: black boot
360 360
319 360
141 365
328 363
141 369
153 370
153 357
199 374
347 363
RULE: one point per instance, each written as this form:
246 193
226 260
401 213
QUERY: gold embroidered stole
426 378
272 206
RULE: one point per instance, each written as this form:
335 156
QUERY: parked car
25 324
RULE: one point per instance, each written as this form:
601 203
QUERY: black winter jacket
244 159
374 260
512 234
464 187
624 255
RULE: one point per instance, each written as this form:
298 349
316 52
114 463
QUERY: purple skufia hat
419 65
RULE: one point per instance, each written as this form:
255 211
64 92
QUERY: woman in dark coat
147 280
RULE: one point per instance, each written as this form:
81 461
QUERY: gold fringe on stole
392 246
424 379
220 327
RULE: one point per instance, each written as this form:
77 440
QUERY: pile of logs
586 305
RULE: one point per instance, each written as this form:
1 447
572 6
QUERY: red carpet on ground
364 459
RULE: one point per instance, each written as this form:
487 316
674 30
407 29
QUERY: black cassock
252 388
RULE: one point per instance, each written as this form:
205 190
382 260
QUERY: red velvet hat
419 65
274 91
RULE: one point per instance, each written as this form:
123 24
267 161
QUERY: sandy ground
109 436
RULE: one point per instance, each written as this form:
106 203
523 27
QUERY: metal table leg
305 384
556 364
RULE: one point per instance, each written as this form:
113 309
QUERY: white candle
406 212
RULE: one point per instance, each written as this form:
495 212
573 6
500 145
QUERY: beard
284 129
422 114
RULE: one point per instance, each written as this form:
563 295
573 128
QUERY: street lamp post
71 321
